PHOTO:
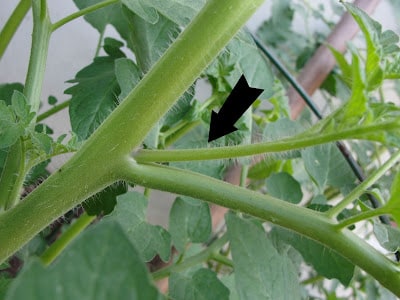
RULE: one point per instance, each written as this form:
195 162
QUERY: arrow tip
218 128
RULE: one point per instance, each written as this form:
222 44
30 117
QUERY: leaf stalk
81 13
70 234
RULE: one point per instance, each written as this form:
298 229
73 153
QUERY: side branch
299 141
304 221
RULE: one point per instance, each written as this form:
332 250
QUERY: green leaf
263 169
201 285
100 264
149 240
277 29
3 157
7 90
357 103
393 204
189 221
229 282
103 202
4 284
178 11
392 66
324 260
94 96
42 142
250 62
327 166
36 174
372 31
385 112
21 107
10 129
283 186
241 56
112 47
260 271
388 40
128 75
388 236
344 66
52 100
149 41
282 128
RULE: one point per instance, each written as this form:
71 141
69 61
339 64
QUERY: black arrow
238 101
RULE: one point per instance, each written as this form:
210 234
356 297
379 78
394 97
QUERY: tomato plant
137 122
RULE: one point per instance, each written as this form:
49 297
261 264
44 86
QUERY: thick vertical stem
97 163
175 72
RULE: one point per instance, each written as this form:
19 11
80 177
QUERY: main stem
301 220
181 64
97 163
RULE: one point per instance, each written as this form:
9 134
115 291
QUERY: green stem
12 24
85 174
66 238
178 126
378 196
192 261
182 63
222 259
210 101
361 217
55 109
98 47
363 186
309 223
169 140
91 168
11 180
243 175
291 143
37 61
147 192
14 167
312 280
81 13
